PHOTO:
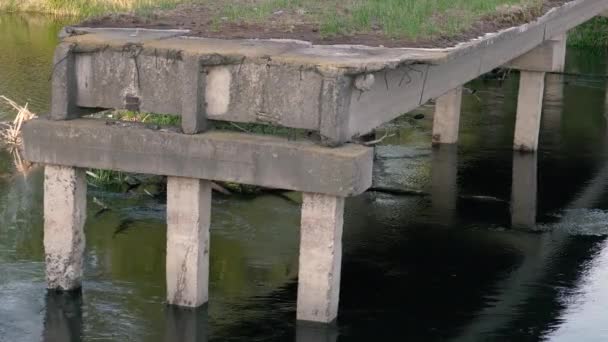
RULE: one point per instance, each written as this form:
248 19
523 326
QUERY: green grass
149 118
85 8
395 18
592 35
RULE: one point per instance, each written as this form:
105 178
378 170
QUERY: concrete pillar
444 183
65 204
194 115
446 122
529 109
188 220
524 190
186 325
320 257
63 317
560 44
63 87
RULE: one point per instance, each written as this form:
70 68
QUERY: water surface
443 265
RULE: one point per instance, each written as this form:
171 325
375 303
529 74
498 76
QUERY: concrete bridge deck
340 92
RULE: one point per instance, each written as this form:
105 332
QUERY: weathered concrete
188 221
524 190
320 257
63 87
446 122
294 83
193 112
529 110
222 156
65 203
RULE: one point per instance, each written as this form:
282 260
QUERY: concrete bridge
339 93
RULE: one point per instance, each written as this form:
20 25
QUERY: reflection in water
444 182
310 332
186 325
524 190
63 318
404 275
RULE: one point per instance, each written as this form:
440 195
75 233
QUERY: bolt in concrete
188 220
65 203
529 110
447 117
320 257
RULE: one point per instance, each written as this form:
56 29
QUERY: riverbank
592 35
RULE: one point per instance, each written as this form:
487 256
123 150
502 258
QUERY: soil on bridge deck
202 20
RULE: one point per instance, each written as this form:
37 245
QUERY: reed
84 8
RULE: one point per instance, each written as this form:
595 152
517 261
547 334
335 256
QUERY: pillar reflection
63 317
524 190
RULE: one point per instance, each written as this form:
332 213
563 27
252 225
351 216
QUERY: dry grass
10 134
84 7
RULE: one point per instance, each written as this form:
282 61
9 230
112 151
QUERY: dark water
443 266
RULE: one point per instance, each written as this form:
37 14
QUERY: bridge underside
339 92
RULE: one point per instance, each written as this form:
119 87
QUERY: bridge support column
548 57
188 220
529 110
65 204
446 122
64 86
320 257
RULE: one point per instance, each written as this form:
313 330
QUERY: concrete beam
320 257
222 156
188 221
529 110
65 204
547 57
446 122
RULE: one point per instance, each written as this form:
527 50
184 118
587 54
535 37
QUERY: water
443 265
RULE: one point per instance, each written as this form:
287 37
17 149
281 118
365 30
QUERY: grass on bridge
410 19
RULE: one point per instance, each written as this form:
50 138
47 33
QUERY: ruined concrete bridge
339 92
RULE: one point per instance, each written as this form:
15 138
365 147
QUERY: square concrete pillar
194 114
65 204
524 190
446 122
320 257
63 86
188 220
529 110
